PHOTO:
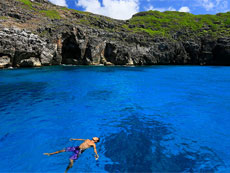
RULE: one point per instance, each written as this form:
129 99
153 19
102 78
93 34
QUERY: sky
124 9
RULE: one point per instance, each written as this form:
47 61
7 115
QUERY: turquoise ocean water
149 119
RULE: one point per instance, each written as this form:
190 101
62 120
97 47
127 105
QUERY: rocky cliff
37 33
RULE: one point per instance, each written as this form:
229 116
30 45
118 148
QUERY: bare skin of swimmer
85 145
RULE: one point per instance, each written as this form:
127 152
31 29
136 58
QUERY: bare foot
96 157
48 154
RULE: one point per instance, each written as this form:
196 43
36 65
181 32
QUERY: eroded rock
21 45
31 62
5 61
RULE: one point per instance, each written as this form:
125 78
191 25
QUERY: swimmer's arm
95 151
71 139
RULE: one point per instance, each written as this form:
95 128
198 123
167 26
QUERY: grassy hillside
170 24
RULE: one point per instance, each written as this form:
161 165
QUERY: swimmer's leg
70 165
56 152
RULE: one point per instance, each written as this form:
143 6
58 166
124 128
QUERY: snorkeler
78 150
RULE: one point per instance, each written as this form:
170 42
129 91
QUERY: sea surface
149 119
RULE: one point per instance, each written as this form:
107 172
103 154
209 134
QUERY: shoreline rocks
21 48
78 38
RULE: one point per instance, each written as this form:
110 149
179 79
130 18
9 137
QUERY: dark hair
97 138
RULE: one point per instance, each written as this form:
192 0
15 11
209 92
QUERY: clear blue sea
149 119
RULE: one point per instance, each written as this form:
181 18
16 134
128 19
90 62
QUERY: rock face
40 1
47 41
21 48
221 52
5 61
31 62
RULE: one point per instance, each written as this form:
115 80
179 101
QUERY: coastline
78 38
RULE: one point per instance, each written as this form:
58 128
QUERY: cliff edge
38 33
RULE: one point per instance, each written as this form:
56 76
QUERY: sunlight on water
150 119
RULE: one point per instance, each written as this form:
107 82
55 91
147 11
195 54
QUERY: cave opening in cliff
71 52
221 55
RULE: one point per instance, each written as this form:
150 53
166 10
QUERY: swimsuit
76 150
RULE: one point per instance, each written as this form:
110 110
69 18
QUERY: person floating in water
78 150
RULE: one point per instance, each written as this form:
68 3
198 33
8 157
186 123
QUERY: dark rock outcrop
29 40
24 48
31 62
221 52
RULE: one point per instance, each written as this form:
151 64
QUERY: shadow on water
111 69
22 72
15 93
99 94
141 146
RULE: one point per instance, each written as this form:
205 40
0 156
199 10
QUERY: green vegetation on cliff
26 2
171 22
52 14
52 35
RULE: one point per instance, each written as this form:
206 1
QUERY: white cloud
208 4
171 9
218 2
59 2
214 5
160 9
184 9
118 9
222 6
